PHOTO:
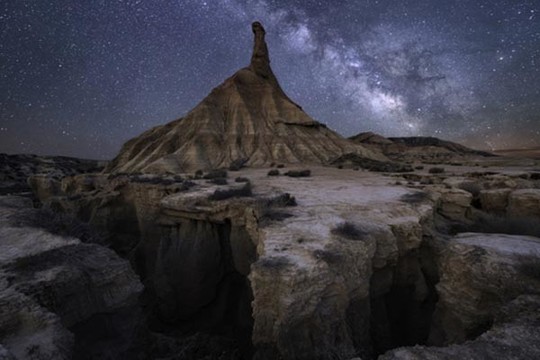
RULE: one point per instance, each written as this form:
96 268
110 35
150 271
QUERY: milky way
81 77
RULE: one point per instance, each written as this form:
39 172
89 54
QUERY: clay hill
248 120
417 148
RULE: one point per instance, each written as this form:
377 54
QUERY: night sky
79 77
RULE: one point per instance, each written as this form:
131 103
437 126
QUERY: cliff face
357 268
247 119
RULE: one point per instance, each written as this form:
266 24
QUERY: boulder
494 201
454 204
524 203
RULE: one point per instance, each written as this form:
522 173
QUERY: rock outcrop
15 169
425 141
424 149
55 292
494 200
524 203
480 274
489 295
248 119
454 204
514 336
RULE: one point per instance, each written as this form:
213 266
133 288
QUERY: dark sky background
81 77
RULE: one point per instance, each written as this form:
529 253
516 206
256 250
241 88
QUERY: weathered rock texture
524 202
60 298
192 256
246 119
480 273
282 283
514 336
489 292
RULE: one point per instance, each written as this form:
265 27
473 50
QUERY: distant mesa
371 138
248 118
417 148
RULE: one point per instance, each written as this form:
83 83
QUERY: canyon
248 230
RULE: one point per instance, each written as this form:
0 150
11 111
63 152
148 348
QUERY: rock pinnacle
260 61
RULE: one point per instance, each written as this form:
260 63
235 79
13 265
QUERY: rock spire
247 119
260 60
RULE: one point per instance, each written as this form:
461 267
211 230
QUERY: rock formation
247 119
15 169
514 336
480 274
292 287
417 148
55 291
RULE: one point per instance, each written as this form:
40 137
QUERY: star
104 72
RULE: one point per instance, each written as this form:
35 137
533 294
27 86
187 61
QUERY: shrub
218 181
285 199
244 191
415 197
274 215
217 173
349 231
267 211
436 170
241 179
280 166
198 174
237 164
298 173
420 167
273 172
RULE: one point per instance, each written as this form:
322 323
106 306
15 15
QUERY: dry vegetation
350 231
298 173
244 191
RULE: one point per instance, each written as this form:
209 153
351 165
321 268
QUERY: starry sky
79 77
